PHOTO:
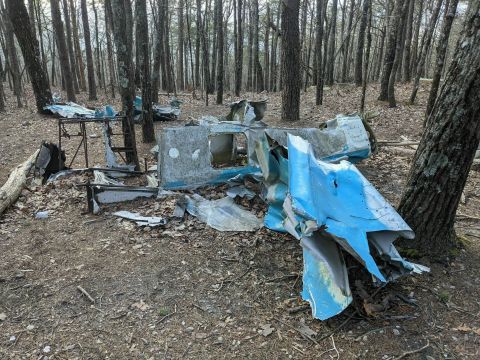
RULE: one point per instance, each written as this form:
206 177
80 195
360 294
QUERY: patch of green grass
443 296
163 311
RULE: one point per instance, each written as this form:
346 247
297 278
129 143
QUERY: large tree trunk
12 58
367 57
92 88
31 54
318 53
109 29
78 51
290 60
101 80
441 53
62 49
389 57
266 56
407 55
346 44
361 45
220 43
144 65
401 8
181 39
122 31
443 159
239 53
416 37
2 94
426 45
71 54
329 76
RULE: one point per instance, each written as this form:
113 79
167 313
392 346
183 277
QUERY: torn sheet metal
160 112
240 191
71 110
150 221
110 156
222 214
188 164
330 207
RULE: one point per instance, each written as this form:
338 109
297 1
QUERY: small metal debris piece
41 215
151 221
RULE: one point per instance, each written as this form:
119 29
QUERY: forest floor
189 291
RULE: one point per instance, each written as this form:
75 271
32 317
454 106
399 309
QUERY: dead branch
411 352
86 294
11 190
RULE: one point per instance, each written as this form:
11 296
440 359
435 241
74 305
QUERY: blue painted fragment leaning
330 207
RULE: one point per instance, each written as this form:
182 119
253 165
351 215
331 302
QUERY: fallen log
11 190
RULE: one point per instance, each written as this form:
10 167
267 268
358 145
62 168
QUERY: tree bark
406 73
239 47
62 49
389 55
441 53
329 77
122 31
28 43
148 132
446 151
108 32
92 88
318 53
2 93
181 39
71 55
367 57
290 60
346 45
361 44
220 43
266 49
426 45
78 52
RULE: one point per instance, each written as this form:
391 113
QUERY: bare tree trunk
108 31
398 26
78 51
441 53
273 60
13 63
239 45
71 55
329 77
266 49
290 61
220 43
406 73
318 52
346 45
28 43
361 45
367 57
446 151
62 49
426 45
2 93
181 66
389 54
92 88
416 36
101 81
144 64
122 31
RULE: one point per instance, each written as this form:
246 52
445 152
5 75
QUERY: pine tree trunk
290 60
318 53
406 73
13 62
398 26
92 88
62 49
181 66
220 43
443 159
109 30
122 30
441 53
28 43
266 49
143 57
239 46
426 45
329 77
78 52
361 45
71 54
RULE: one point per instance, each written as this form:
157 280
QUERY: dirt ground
188 291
